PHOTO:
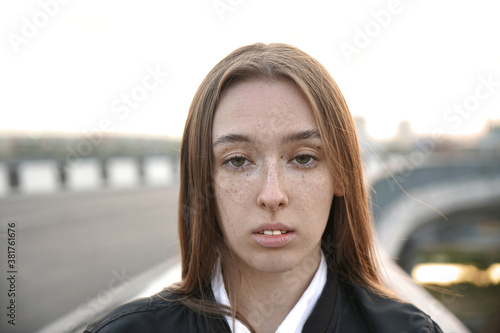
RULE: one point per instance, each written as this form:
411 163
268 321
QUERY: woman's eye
237 161
303 159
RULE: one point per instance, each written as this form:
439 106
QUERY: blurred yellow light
437 273
446 274
494 272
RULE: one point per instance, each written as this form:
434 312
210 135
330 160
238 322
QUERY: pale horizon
125 67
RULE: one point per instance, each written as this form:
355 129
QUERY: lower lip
273 240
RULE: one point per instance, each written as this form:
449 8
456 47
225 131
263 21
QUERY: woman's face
272 183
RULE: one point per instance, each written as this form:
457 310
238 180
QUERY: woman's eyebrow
232 138
302 135
241 138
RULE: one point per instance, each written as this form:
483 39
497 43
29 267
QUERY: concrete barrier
158 170
4 180
38 176
85 176
123 172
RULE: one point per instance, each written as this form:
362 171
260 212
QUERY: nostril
272 198
272 192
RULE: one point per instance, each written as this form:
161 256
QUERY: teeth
273 232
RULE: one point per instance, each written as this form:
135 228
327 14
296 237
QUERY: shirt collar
296 318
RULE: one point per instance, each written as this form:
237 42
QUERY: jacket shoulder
383 314
160 312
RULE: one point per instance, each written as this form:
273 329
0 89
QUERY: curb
142 285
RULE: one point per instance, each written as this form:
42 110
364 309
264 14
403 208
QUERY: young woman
274 224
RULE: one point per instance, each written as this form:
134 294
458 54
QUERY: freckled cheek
233 195
312 197
313 184
230 201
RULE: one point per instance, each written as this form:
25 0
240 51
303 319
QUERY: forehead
257 105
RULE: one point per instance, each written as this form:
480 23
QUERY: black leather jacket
341 308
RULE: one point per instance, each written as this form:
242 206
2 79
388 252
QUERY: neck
264 298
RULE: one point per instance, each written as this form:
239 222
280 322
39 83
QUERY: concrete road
73 247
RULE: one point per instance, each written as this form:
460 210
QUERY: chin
267 263
274 268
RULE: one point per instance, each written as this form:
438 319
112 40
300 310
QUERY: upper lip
272 226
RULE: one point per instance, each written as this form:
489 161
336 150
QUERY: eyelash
227 161
313 161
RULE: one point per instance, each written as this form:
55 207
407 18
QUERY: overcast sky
133 66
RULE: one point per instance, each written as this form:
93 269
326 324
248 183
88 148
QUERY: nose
273 194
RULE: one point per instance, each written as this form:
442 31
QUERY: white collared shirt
296 318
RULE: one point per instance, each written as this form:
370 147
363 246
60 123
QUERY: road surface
73 247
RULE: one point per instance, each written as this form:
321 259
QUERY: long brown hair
348 238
